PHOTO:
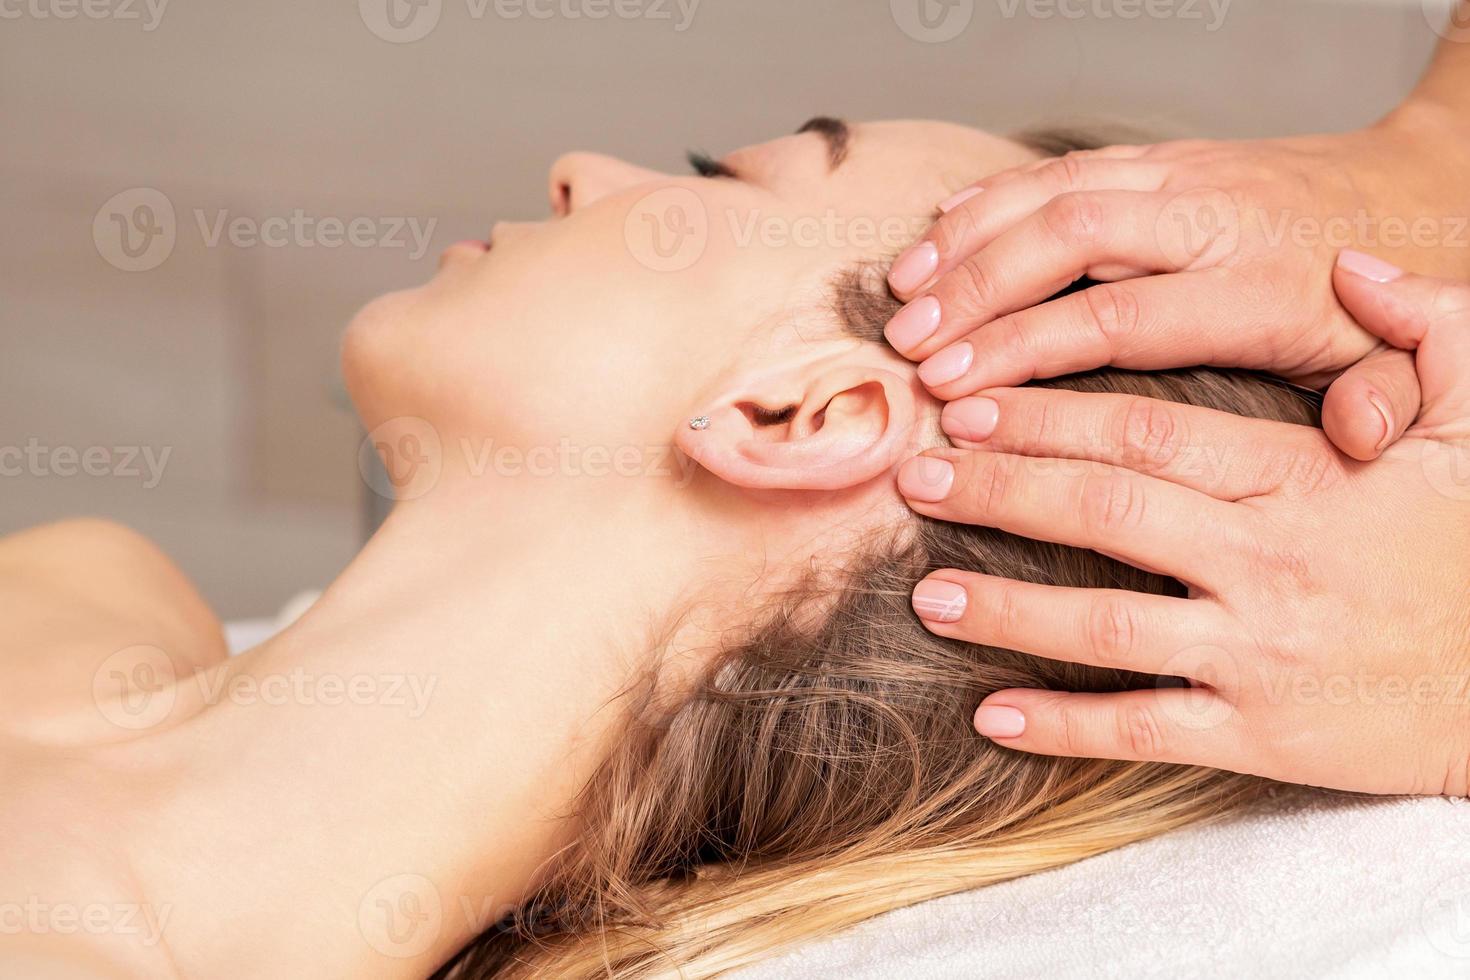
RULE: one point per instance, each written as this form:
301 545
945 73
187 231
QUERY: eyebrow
835 132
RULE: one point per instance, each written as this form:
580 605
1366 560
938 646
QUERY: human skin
1227 253
271 823
1212 252
1326 634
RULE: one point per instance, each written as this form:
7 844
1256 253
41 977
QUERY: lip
470 248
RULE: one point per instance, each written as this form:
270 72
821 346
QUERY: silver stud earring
699 423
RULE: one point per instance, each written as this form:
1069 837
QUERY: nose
579 179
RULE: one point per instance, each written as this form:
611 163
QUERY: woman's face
607 324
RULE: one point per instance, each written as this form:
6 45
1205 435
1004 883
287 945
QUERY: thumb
1419 313
1371 405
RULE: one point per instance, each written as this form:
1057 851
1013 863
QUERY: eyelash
707 166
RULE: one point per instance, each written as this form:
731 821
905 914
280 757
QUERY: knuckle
993 483
975 282
1279 560
1070 731
1451 302
1006 613
1065 172
1041 425
1075 219
1010 336
1312 470
1111 504
1112 631
1149 432
1111 312
1141 732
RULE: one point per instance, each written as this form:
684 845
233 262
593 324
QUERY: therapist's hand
1327 631
1215 253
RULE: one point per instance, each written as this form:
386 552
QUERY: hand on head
1207 253
1326 636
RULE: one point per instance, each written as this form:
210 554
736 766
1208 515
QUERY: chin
377 346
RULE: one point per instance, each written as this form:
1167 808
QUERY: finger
1150 523
1192 726
1103 627
1117 152
1224 455
1419 313
1111 234
1003 200
1369 407
1145 324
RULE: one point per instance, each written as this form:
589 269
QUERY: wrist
1414 171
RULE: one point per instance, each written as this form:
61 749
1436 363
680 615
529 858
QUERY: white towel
1303 884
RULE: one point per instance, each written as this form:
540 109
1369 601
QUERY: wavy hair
823 768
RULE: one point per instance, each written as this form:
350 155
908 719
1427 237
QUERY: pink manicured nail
950 203
926 479
1368 266
947 365
970 419
913 324
914 267
998 721
939 602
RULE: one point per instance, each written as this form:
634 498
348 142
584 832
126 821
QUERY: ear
827 425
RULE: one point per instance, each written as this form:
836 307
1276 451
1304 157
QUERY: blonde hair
823 772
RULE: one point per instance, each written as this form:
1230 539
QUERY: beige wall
225 355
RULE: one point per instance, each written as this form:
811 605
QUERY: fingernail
913 324
999 721
939 602
1378 403
914 267
947 365
970 419
950 203
1368 266
926 479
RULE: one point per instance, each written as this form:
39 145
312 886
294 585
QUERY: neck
371 789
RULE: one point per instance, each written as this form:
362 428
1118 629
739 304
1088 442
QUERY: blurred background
175 176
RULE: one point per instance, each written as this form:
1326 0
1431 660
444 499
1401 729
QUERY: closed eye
707 166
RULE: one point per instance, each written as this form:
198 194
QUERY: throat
414 746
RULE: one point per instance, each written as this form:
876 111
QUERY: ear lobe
850 425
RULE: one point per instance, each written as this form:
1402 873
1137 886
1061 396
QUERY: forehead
914 164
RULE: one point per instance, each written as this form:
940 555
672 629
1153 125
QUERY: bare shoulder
73 594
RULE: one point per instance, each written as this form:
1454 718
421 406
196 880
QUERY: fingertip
914 267
955 200
1361 429
1000 721
1367 409
970 420
1367 266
